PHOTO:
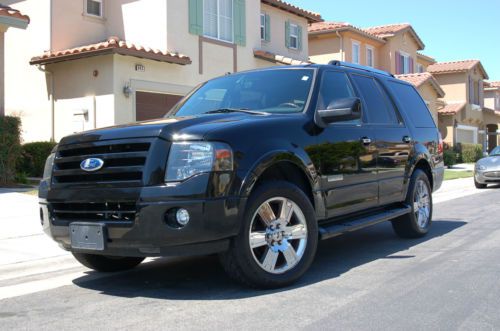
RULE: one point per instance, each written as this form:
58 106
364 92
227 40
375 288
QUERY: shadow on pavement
202 278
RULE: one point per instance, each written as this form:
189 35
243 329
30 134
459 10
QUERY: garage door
153 105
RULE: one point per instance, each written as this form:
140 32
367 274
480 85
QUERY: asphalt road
370 279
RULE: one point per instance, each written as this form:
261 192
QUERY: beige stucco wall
445 124
277 26
26 88
400 42
325 48
454 85
490 98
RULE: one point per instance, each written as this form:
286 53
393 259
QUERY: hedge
450 157
33 158
470 153
10 148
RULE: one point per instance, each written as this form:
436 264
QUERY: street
368 279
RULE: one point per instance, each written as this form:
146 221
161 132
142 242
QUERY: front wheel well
425 167
289 172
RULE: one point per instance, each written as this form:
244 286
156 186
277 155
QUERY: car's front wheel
278 238
107 263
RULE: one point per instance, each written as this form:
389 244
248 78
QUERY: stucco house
463 120
96 63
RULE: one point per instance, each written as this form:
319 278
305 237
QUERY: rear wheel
278 238
479 185
107 263
419 197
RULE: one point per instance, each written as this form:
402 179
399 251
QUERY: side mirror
339 110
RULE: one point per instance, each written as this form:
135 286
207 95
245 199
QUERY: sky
450 29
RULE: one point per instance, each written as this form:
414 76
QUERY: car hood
490 162
174 128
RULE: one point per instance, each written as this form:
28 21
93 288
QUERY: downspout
52 103
342 55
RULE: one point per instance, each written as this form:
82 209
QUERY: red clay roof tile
452 108
419 79
309 15
11 12
390 30
325 27
455 66
276 58
111 46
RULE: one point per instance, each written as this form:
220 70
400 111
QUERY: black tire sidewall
415 178
249 266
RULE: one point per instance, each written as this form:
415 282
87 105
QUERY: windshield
495 151
270 91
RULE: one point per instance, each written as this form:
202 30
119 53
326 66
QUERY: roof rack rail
359 67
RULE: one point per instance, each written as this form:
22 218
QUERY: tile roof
420 79
327 27
276 58
452 108
426 57
388 31
111 46
13 13
491 111
309 15
492 85
455 66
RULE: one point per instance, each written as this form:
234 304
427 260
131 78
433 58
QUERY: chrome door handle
407 139
366 141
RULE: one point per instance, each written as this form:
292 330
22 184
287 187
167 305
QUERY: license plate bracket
88 236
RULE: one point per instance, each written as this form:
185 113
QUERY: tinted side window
412 104
378 107
334 85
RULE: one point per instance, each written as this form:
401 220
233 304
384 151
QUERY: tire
104 263
273 263
479 185
417 223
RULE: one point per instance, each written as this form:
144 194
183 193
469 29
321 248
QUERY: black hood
188 128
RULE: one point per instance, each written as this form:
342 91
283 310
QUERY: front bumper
212 221
487 177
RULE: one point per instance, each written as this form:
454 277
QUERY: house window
355 52
262 26
93 7
420 68
497 103
218 19
370 56
404 63
294 36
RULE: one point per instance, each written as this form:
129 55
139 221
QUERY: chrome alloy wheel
422 204
278 235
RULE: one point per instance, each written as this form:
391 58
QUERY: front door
346 154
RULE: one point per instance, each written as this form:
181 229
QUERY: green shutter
299 41
287 34
240 24
267 25
196 17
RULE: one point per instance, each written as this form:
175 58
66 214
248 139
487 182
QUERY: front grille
124 161
119 213
492 174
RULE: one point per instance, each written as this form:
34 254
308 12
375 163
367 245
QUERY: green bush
33 158
10 148
450 157
470 153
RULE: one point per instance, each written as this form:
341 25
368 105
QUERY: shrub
450 157
33 158
10 148
470 153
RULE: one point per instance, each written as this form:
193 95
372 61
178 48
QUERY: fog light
182 217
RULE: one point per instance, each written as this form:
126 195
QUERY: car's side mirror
339 110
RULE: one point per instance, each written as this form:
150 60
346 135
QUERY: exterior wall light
127 90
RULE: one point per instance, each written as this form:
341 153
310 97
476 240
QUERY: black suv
256 166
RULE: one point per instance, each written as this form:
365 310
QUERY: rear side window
412 104
376 103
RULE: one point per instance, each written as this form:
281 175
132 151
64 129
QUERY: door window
335 85
376 103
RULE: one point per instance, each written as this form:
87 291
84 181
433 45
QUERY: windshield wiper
235 110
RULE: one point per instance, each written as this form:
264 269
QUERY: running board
337 229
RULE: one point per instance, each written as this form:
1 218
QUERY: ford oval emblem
91 164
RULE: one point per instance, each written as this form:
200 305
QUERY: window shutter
471 91
481 97
287 34
240 23
412 69
299 41
398 63
267 25
196 17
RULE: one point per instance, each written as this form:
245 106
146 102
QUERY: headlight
481 167
187 159
47 170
